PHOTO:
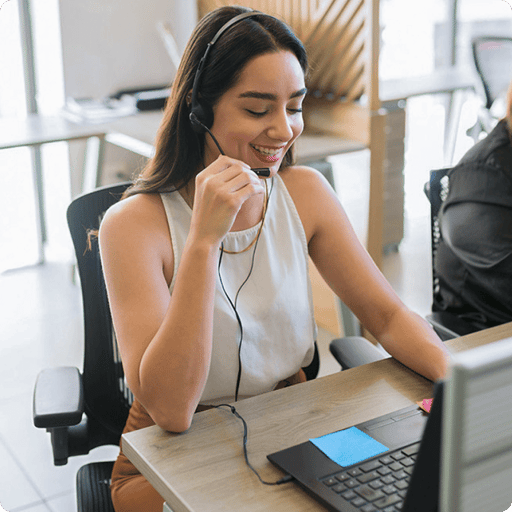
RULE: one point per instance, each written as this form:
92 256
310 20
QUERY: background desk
450 81
204 468
445 80
35 130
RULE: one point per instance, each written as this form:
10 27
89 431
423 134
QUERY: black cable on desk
284 480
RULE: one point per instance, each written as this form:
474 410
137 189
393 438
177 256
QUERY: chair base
93 487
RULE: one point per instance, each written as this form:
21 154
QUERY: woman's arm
348 269
165 341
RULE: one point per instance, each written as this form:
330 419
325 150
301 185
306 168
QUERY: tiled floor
40 318
41 327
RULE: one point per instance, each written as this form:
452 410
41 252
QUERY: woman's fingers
221 190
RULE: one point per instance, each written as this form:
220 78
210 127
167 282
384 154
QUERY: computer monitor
476 465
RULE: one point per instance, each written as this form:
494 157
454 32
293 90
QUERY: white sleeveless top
275 304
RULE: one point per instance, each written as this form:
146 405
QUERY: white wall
109 45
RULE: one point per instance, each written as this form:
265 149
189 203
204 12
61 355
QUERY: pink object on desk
426 404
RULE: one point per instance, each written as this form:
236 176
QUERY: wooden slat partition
336 34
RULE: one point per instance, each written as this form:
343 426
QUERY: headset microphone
264 172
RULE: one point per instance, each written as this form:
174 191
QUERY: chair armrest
355 351
58 398
448 325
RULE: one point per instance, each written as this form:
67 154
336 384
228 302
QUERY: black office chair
85 410
492 58
355 351
447 325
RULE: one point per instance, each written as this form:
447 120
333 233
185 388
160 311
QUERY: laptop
403 476
405 473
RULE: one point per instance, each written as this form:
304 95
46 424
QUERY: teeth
267 151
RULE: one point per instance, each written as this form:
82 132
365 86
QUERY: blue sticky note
350 446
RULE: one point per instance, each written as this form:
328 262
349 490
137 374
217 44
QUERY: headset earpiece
201 115
197 126
199 119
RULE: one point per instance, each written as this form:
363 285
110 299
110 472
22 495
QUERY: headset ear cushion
195 121
201 118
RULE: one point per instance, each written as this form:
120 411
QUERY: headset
201 116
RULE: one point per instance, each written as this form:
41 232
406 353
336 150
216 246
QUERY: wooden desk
204 468
450 81
445 80
35 130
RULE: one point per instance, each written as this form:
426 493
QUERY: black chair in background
84 410
492 57
89 409
447 325
353 351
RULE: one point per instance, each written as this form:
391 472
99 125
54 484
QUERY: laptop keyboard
376 485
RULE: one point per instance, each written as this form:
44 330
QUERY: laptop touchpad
397 431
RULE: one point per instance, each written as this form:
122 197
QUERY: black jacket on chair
474 257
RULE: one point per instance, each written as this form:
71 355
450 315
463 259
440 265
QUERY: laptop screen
423 492
476 472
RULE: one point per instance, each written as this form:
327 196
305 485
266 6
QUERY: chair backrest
436 190
493 61
447 325
107 398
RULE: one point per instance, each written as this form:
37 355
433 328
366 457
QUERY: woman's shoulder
136 218
302 178
294 171
308 188
134 209
494 151
305 184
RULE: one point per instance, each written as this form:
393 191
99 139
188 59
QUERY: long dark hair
179 150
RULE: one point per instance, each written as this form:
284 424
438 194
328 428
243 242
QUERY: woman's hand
220 191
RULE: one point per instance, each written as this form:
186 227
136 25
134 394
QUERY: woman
474 258
206 263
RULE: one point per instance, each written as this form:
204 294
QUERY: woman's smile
267 154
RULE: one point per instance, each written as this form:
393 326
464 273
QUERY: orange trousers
131 492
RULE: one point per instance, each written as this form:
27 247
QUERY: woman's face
259 118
